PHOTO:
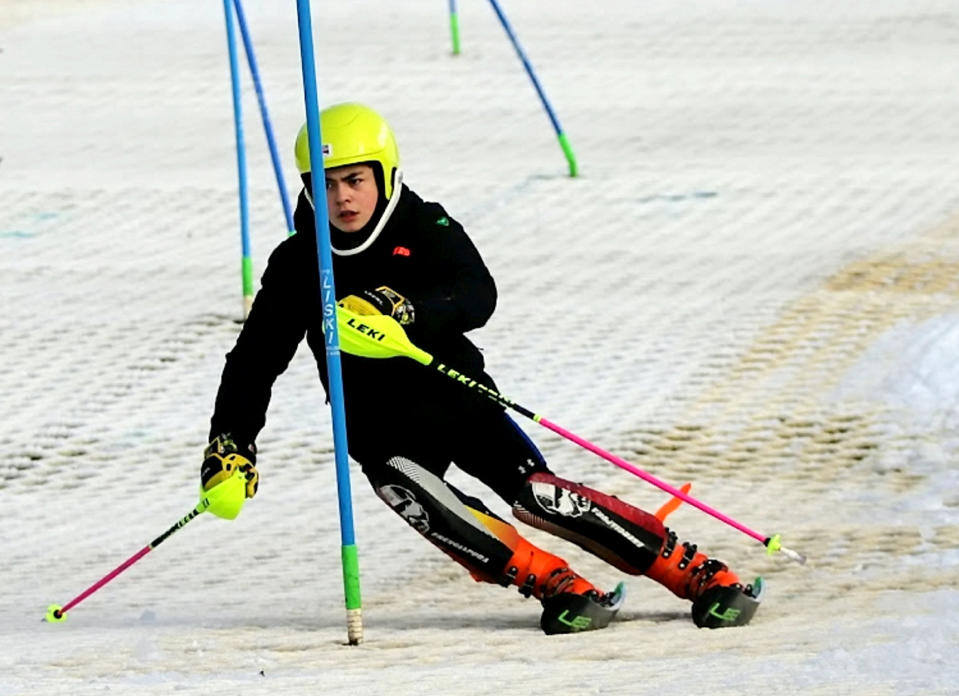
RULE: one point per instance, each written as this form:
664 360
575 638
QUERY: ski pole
379 336
560 133
224 500
264 114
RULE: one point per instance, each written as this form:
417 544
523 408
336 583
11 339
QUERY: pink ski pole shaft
772 543
57 613
379 336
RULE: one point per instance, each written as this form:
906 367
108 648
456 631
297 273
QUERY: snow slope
752 285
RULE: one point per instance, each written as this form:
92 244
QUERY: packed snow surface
752 285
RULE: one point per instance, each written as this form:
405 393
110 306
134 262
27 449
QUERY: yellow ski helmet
352 133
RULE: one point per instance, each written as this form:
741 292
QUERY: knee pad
460 526
617 532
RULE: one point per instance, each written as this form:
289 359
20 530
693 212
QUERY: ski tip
618 595
758 588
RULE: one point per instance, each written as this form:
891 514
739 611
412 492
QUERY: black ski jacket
423 254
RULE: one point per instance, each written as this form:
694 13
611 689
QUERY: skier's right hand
222 457
384 300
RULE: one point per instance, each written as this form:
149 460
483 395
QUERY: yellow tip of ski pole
55 614
774 544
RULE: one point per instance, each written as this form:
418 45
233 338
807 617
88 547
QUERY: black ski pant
484 443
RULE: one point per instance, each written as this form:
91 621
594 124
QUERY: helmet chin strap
384 218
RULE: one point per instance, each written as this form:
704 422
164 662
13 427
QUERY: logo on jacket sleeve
401 251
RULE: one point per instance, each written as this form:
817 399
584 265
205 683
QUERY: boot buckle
526 589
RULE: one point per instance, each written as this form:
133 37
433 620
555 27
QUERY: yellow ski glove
222 457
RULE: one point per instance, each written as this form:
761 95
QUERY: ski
720 607
572 613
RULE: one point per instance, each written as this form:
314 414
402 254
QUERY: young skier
397 255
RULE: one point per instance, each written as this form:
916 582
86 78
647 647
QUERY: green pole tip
570 156
55 614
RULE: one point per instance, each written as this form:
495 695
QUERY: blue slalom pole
351 573
563 140
246 264
265 115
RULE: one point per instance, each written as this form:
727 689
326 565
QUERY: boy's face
351 196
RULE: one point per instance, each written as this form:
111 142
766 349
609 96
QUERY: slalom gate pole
224 500
382 337
454 28
247 260
350 559
563 140
264 115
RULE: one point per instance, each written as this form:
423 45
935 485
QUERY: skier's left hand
222 457
383 300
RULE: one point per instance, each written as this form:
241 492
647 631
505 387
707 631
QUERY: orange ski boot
719 598
570 602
